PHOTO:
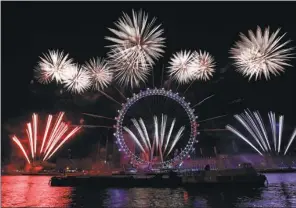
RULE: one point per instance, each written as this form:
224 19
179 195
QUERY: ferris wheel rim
148 93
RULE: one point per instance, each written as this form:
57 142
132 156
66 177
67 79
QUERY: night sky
30 29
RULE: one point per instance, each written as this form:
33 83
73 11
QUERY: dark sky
30 29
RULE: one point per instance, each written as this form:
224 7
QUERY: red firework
53 138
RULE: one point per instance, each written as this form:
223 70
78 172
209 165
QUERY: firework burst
128 70
261 54
99 73
253 123
77 80
54 136
202 65
53 66
180 69
161 142
136 46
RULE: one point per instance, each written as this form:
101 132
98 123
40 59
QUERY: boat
246 175
278 170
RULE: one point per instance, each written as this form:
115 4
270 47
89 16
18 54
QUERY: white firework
203 65
261 54
136 46
77 80
161 142
99 73
53 66
253 123
128 70
180 69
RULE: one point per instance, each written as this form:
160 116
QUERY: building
73 164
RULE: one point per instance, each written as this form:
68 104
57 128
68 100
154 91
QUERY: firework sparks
261 54
30 137
236 132
48 123
290 141
127 70
76 129
53 66
203 66
51 143
136 46
180 69
253 123
35 131
99 73
161 140
77 80
17 141
177 137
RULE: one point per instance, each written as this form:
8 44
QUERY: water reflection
135 197
34 191
222 197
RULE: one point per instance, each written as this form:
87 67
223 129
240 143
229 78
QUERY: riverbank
286 170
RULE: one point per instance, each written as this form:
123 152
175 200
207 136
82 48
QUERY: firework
136 46
253 123
53 138
161 140
261 54
77 80
202 65
99 73
128 70
53 66
180 69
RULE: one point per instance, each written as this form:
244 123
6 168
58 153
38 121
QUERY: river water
34 191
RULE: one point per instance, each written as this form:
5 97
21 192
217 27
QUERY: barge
246 176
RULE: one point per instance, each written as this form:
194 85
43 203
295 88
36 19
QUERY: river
34 191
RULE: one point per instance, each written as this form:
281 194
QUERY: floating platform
276 170
188 179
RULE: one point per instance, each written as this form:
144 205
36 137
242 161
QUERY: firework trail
161 138
17 141
236 132
204 100
177 137
99 72
134 138
52 139
145 131
261 54
53 66
140 132
48 123
213 118
290 141
169 134
97 116
34 118
136 46
30 137
76 129
253 123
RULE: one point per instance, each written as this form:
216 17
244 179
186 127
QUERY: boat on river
246 175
